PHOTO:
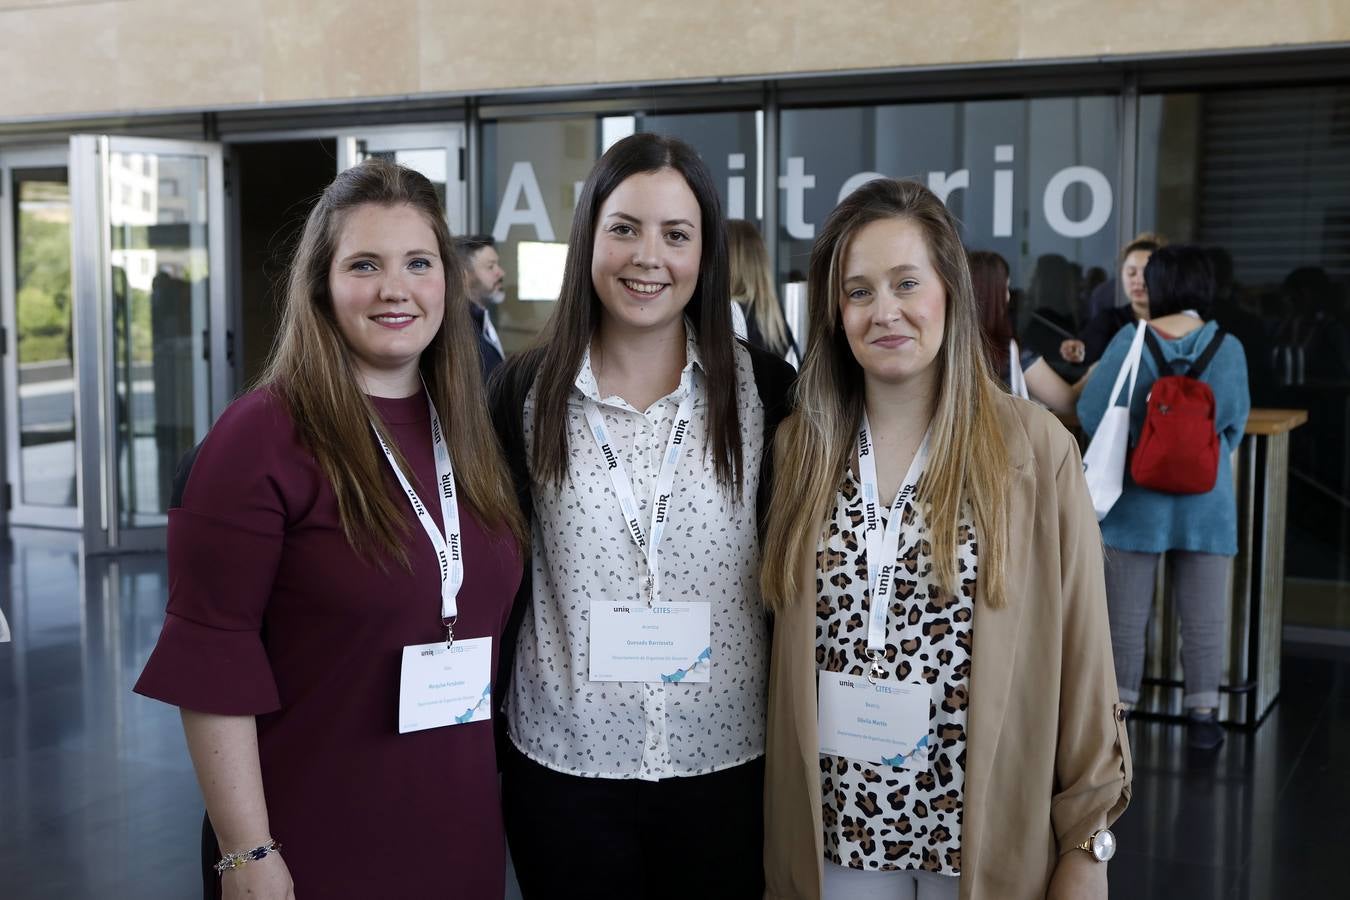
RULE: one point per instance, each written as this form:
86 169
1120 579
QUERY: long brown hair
553 361
312 371
814 446
989 281
752 284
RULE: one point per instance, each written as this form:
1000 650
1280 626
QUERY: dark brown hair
989 279
312 371
553 361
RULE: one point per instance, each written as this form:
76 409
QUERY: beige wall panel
882 34
696 37
170 53
509 42
61 59
322 49
616 41
124 55
1056 28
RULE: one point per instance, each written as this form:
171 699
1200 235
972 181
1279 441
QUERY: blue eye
857 294
363 265
420 263
908 284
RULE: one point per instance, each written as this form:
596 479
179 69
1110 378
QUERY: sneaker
1203 731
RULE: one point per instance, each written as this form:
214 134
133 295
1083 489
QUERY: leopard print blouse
879 817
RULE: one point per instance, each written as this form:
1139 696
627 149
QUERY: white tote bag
1017 380
1104 461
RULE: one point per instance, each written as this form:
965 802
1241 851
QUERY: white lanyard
448 546
1017 379
665 480
882 548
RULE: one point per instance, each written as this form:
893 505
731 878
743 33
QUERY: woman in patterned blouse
635 429
968 740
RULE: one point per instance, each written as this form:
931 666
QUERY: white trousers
843 883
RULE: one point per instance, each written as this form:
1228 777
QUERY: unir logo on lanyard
882 547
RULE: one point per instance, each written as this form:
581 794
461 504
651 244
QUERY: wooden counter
1264 422
1270 422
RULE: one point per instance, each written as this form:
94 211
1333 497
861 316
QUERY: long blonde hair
752 284
312 371
814 446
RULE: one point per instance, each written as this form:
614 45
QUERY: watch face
1103 845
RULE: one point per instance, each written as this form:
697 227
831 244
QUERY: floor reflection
97 798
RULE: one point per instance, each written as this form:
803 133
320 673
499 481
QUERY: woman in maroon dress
314 569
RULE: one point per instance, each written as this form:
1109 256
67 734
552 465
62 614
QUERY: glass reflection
160 280
1259 178
1032 180
433 162
46 376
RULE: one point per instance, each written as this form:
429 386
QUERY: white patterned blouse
582 552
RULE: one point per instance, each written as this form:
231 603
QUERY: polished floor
97 799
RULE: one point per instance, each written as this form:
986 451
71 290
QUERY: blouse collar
590 388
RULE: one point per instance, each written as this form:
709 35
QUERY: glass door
150 288
42 485
436 152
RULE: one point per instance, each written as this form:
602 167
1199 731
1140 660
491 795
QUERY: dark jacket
488 357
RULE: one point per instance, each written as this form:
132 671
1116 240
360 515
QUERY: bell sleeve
224 545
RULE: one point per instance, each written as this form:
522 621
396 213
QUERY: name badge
443 685
667 642
885 724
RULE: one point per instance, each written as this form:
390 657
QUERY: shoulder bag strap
1129 369
1155 349
1204 359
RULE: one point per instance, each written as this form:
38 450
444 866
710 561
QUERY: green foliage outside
44 287
43 280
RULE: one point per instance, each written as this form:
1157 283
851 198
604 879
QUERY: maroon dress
272 614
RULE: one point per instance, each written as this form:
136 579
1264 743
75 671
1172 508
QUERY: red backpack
1178 449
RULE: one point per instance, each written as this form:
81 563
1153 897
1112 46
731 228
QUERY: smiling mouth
644 288
393 320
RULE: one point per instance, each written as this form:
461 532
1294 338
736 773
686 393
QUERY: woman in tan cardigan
968 742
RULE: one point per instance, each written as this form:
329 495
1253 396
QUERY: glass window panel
433 162
160 295
1261 179
46 370
530 175
1033 180
532 172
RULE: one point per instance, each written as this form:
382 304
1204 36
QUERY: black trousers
602 838
211 885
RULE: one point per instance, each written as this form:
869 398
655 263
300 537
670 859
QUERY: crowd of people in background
840 595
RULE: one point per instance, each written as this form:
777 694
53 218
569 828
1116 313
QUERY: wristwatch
1102 845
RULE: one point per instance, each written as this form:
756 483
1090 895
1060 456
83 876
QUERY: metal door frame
452 136
92 289
19 513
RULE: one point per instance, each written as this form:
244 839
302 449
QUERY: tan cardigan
1047 761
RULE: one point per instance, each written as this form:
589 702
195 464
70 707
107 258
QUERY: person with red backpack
1188 411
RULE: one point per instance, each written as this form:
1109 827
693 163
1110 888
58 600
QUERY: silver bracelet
231 861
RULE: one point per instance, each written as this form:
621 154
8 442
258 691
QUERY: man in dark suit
483 278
